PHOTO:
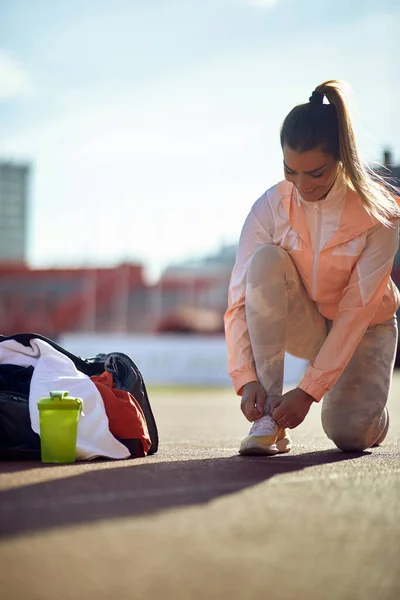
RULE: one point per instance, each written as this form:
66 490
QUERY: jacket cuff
240 379
310 386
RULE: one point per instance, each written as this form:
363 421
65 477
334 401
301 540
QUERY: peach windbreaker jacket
347 275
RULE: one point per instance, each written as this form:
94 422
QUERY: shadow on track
131 489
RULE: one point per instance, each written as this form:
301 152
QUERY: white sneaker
266 437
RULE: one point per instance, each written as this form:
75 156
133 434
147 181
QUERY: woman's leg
354 416
280 317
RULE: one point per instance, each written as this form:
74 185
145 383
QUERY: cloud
14 80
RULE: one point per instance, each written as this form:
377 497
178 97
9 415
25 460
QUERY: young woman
312 277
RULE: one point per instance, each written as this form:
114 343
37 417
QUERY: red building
118 299
52 301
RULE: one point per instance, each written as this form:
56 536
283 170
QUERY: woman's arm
360 301
254 234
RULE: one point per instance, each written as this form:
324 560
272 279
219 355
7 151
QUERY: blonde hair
315 124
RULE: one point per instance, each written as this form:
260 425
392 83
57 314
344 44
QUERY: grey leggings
281 317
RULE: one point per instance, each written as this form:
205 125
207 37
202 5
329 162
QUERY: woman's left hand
292 409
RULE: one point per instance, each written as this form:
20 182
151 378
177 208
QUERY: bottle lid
60 399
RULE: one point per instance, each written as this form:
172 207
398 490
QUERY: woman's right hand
253 400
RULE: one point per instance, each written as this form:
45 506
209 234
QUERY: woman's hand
253 401
292 409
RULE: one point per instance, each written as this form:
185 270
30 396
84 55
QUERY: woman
312 277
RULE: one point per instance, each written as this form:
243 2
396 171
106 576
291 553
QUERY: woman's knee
269 253
349 441
351 434
269 259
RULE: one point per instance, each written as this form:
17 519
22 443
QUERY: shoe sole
258 449
384 432
282 446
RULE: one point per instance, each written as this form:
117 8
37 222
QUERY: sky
152 126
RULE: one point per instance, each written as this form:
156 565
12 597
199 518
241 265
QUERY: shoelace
264 426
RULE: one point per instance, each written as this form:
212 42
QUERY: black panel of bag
19 441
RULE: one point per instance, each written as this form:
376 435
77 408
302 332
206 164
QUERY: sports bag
19 441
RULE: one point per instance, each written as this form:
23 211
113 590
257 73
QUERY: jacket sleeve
361 299
241 367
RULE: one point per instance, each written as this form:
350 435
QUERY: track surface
198 521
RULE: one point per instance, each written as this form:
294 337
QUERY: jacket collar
354 219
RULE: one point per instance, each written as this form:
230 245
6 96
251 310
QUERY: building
192 296
14 182
54 301
391 173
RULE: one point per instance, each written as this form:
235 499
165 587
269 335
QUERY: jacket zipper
316 251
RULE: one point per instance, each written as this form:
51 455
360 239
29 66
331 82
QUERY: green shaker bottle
59 415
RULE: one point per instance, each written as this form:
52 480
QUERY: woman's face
312 172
